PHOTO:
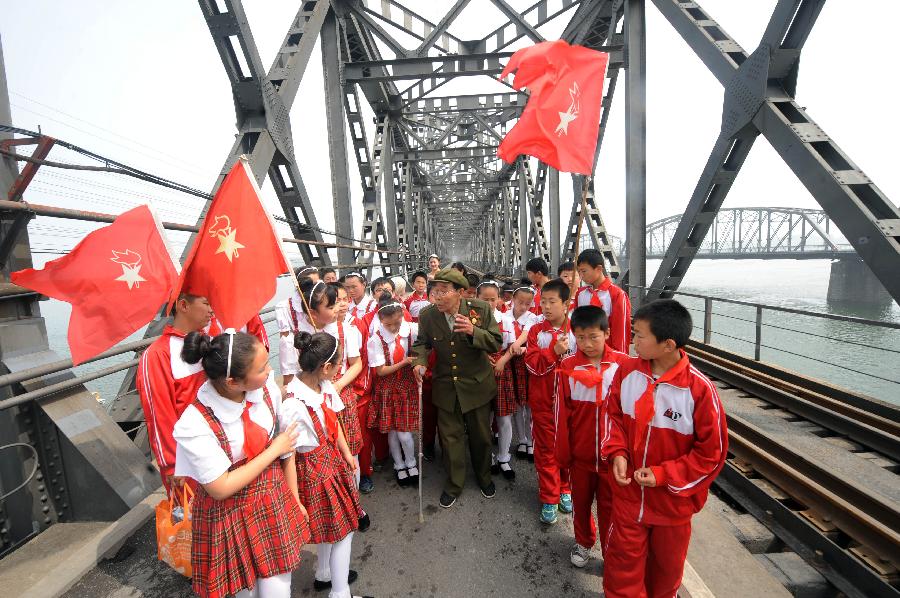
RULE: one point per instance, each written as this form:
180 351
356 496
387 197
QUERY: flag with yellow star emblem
561 120
116 279
237 256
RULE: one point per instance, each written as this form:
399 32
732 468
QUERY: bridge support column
853 282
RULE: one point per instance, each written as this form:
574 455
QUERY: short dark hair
473 280
589 316
592 257
539 265
354 274
305 270
417 274
668 319
324 271
182 295
559 286
382 280
460 266
565 267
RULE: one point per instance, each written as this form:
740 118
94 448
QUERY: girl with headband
505 402
325 465
517 322
248 522
394 408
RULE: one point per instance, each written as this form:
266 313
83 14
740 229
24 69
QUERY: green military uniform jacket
462 371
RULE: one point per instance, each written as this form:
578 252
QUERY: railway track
845 526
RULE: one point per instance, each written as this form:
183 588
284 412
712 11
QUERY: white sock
504 426
340 567
277 586
396 452
409 447
356 473
254 593
323 562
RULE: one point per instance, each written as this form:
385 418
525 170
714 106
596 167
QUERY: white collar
523 319
364 301
388 336
226 410
305 325
310 397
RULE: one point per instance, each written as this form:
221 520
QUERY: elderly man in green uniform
463 333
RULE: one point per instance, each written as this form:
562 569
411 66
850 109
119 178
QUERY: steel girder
759 99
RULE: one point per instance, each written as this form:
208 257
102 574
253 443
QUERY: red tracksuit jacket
542 362
685 447
167 385
578 412
615 303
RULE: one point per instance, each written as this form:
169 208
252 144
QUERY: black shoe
531 454
377 465
402 481
447 500
507 471
413 475
325 585
489 491
366 484
428 453
364 523
522 451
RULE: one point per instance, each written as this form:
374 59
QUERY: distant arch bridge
752 233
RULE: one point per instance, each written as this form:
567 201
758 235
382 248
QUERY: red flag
236 256
562 117
116 279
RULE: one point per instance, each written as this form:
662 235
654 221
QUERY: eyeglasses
442 293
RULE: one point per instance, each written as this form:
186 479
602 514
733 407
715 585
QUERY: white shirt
406 336
526 321
365 305
417 305
509 337
198 454
298 397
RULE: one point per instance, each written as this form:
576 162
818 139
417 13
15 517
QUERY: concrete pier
853 282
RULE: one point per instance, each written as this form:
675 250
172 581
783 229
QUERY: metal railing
791 331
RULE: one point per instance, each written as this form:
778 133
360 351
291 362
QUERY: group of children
274 468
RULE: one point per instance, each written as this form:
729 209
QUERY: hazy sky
142 83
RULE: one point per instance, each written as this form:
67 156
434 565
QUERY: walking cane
421 513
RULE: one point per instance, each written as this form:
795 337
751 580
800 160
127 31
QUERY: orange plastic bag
173 538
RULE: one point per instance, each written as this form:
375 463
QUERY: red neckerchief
331 421
517 327
255 437
645 406
595 297
591 378
398 352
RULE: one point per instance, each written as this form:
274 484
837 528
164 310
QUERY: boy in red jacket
585 380
599 290
549 341
665 434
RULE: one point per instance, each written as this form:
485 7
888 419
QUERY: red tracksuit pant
372 439
552 479
644 561
589 486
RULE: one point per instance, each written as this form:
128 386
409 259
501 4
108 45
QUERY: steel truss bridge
430 182
750 233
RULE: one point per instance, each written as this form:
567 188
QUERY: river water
864 359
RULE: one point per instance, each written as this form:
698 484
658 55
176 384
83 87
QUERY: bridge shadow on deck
479 548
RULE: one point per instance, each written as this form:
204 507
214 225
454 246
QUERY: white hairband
394 304
493 283
230 333
334 352
356 274
529 289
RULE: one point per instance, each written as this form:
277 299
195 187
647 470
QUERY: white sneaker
579 555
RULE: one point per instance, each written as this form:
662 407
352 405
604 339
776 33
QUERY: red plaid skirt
349 418
519 372
395 405
505 402
327 490
255 533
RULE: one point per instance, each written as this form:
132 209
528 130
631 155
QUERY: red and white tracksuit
543 386
167 385
416 303
578 434
617 306
536 302
684 444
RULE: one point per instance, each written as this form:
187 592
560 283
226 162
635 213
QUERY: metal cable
29 477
